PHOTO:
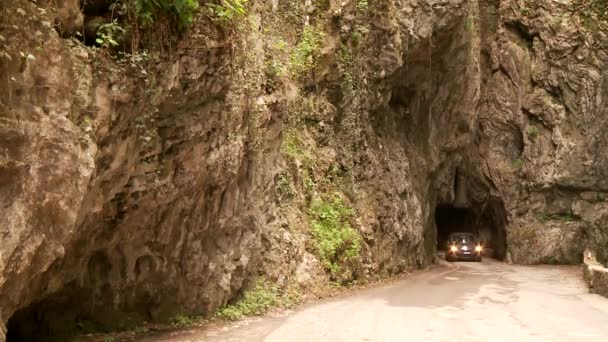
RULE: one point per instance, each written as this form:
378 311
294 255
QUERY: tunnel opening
56 318
488 222
450 219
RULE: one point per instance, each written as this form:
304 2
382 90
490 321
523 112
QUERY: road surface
487 301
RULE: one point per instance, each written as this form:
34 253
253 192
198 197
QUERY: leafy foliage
182 10
256 301
229 10
305 55
109 35
335 239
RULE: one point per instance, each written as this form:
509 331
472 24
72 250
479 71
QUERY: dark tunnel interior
488 223
450 219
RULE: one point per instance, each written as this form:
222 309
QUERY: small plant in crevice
568 217
532 132
557 21
518 163
309 183
284 190
336 242
543 217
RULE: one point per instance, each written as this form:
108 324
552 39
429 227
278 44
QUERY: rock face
162 183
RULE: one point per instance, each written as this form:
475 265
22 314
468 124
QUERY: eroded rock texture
163 183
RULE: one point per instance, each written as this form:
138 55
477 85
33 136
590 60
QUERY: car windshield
462 238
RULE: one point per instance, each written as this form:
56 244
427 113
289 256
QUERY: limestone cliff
137 186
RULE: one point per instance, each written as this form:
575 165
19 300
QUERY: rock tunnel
56 318
487 221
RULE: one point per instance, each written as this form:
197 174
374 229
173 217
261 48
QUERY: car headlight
478 248
453 249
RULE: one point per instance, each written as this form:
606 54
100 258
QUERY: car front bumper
464 255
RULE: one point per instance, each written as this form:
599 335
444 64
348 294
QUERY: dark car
463 246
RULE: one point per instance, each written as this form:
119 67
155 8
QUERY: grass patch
181 321
565 217
258 300
335 240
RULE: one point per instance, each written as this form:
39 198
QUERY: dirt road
487 301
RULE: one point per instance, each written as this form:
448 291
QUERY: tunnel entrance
58 317
450 219
53 319
488 223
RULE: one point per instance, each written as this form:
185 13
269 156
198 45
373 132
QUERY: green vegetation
277 59
228 10
518 163
567 217
362 5
284 190
336 241
258 300
592 12
309 184
181 321
557 21
543 217
292 145
304 57
108 35
346 64
532 132
182 10
128 17
599 7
